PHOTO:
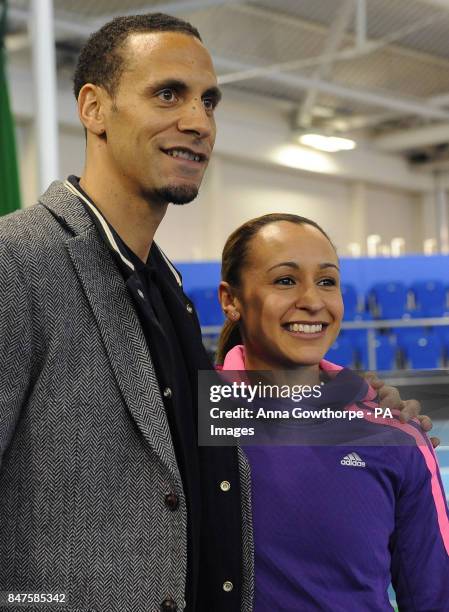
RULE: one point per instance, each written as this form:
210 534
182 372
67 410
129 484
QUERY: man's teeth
183 154
305 329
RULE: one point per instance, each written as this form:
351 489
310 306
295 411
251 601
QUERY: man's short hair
101 61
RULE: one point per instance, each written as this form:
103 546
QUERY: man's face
160 126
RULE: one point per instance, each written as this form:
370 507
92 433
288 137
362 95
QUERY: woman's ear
229 302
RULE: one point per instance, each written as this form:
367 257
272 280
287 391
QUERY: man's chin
178 194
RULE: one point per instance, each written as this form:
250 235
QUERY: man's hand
389 398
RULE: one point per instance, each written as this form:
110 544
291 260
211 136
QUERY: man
106 502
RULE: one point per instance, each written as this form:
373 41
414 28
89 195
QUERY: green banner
9 176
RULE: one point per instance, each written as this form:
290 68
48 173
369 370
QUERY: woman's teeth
304 328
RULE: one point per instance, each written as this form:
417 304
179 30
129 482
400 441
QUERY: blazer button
189 308
228 586
168 605
172 501
167 392
225 485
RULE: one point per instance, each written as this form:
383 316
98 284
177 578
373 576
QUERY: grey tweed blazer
86 456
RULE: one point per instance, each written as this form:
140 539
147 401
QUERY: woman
333 525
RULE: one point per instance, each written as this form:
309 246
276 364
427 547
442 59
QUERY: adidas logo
353 459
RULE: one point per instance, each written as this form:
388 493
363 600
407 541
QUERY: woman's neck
297 375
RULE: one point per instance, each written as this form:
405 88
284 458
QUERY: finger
389 398
375 382
435 441
404 416
425 421
412 407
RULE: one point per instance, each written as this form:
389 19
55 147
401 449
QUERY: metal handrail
370 327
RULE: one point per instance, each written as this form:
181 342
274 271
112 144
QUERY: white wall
350 195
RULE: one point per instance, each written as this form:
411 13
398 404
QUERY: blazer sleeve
15 345
420 543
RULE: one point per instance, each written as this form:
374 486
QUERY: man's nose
195 119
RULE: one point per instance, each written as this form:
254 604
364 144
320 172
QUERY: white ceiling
380 66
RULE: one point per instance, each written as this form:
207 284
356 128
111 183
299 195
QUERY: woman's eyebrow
293 264
329 265
289 264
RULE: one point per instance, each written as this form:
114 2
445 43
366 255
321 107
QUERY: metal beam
444 4
361 24
63 28
324 69
401 104
370 47
66 28
402 140
173 8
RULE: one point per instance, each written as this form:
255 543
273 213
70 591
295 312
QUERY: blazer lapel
124 341
117 321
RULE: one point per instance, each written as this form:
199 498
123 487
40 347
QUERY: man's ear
228 300
92 101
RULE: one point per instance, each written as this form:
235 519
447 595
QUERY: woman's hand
389 397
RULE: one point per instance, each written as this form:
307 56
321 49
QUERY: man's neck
133 218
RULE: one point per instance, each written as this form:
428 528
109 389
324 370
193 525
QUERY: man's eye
167 95
209 104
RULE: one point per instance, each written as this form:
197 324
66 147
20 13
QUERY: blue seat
423 352
357 337
341 352
402 334
350 300
207 306
430 297
385 354
388 300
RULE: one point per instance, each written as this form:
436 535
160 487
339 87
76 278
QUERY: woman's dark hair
234 258
101 60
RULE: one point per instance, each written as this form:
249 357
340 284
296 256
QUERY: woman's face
289 301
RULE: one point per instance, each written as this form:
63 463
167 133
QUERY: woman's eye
167 95
285 280
327 282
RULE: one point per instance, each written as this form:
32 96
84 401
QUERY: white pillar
441 214
45 91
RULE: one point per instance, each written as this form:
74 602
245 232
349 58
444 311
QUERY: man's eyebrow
293 264
175 84
181 86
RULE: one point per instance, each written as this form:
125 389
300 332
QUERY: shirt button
228 586
225 485
167 392
172 501
189 308
140 293
168 605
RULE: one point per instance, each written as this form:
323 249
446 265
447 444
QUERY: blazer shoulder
32 231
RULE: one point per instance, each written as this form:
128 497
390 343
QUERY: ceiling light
330 144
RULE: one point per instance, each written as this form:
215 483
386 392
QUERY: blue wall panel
362 273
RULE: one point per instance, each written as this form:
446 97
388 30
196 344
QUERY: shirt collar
108 232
